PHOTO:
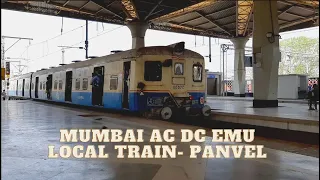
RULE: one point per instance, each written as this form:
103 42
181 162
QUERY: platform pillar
239 83
138 31
266 54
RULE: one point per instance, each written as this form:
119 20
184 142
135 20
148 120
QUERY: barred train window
55 86
44 85
178 69
113 82
197 73
77 83
152 71
85 84
60 84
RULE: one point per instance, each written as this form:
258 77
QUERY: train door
30 87
17 88
97 85
36 88
49 86
23 83
68 87
125 95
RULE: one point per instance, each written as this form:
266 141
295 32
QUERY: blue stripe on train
14 93
137 102
111 100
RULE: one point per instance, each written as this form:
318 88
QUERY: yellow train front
168 80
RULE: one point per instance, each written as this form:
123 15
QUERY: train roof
27 75
124 55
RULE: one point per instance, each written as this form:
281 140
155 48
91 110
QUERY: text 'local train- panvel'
160 79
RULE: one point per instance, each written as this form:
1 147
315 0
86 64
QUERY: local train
159 79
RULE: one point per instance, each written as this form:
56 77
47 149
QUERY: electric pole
63 50
3 61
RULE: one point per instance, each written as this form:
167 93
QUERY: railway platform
29 127
291 115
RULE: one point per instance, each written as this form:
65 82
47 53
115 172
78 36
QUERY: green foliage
300 55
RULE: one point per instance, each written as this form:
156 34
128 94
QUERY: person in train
96 83
48 88
310 97
314 96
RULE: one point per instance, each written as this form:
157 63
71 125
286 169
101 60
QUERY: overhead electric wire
59 35
77 43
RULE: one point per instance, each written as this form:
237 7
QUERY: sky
43 50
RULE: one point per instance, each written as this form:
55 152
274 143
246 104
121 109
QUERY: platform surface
28 127
232 98
290 110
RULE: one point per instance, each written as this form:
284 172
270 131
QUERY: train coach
159 80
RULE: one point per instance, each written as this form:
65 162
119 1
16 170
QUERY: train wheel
206 111
166 113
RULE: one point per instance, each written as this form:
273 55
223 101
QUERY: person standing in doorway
47 88
310 97
96 83
100 88
315 96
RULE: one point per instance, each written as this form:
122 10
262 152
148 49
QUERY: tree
300 55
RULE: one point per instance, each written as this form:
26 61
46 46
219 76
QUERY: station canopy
213 18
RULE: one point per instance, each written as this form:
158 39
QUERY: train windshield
153 71
197 73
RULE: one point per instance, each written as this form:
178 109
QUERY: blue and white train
160 79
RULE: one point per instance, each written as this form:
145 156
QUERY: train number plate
195 102
154 101
178 86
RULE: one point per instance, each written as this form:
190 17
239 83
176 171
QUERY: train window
40 86
77 83
32 86
113 82
55 86
60 84
197 73
152 71
178 69
85 84
44 85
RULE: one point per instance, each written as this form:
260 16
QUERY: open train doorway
23 83
17 89
68 87
49 86
30 87
97 83
126 78
37 86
